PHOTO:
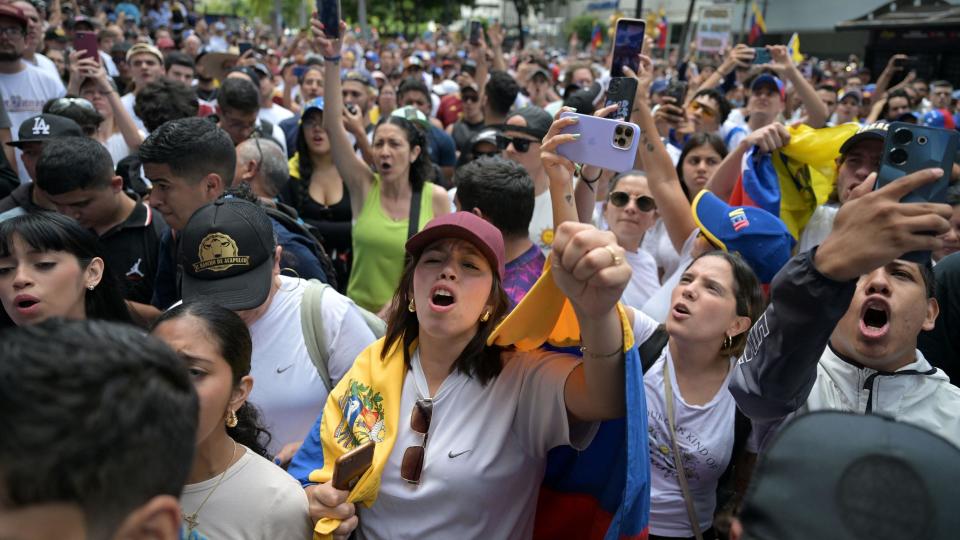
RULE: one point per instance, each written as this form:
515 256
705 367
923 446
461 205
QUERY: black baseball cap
226 252
875 478
44 127
538 121
876 131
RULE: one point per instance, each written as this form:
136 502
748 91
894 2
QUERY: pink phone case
596 144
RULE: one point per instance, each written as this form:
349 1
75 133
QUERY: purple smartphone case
595 146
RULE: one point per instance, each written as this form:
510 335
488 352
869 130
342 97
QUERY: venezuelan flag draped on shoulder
791 182
602 492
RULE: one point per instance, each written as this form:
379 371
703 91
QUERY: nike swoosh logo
281 370
451 455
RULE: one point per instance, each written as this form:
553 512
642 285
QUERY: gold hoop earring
232 420
486 316
411 307
727 343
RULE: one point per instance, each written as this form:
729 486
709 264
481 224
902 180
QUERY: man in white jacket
841 329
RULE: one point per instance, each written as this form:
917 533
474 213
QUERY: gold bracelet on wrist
586 352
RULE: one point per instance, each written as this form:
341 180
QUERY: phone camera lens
921 140
628 131
898 156
619 130
902 136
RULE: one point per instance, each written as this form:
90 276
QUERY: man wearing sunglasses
25 89
520 142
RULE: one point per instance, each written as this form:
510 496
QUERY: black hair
412 84
828 88
192 148
722 102
941 83
177 58
501 189
50 231
929 278
70 163
746 290
227 331
615 179
501 91
478 360
695 141
310 66
421 169
301 187
86 117
164 100
94 414
898 92
238 94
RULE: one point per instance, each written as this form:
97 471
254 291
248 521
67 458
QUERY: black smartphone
244 46
761 55
475 27
909 148
627 45
678 91
329 11
621 91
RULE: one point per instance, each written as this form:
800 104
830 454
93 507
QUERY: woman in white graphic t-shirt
715 303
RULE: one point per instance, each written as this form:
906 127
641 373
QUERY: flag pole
743 23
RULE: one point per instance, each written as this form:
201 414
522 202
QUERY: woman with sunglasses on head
464 426
50 266
77 109
233 490
117 131
382 202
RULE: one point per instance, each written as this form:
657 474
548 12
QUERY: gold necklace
191 520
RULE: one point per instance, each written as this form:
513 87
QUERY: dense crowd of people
229 258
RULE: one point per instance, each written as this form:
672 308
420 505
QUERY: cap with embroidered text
227 254
43 127
761 238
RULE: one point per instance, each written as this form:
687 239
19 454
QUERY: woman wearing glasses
383 202
464 427
117 132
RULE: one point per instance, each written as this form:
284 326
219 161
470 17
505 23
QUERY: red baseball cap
11 12
466 226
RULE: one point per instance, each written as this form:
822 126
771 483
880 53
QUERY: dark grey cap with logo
227 254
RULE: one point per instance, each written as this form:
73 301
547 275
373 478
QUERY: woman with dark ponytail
233 490
382 202
50 266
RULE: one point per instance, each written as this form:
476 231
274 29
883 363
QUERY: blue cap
315 104
934 118
761 238
769 80
372 56
659 85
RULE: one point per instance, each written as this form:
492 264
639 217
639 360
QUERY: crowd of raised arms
334 284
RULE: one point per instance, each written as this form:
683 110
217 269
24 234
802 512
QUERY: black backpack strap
650 349
414 223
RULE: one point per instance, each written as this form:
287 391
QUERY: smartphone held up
627 46
329 12
605 143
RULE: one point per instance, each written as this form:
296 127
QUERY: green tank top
378 249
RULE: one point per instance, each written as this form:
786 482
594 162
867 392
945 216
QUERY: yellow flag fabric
545 315
794 47
809 172
364 406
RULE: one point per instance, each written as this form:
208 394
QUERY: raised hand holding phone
329 11
329 47
627 45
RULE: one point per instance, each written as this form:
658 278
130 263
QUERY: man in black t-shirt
77 174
